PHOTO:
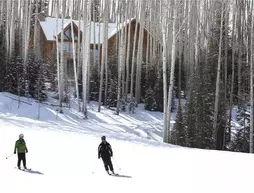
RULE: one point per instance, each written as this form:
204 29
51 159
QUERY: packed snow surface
63 154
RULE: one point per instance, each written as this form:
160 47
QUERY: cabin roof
50 29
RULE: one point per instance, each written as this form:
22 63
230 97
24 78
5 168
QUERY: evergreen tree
35 77
241 139
189 120
94 84
112 86
2 60
14 78
150 102
51 71
178 134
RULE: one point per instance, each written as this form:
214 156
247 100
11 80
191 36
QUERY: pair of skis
24 169
113 174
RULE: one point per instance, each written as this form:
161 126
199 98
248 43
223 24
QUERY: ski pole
10 156
116 163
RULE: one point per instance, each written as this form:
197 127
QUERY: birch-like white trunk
57 59
74 64
172 74
128 55
251 81
216 107
35 27
106 54
27 34
164 66
12 28
120 66
233 74
84 59
140 52
61 67
104 50
133 59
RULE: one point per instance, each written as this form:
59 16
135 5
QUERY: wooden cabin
49 28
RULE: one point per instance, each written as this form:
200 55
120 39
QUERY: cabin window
65 46
96 54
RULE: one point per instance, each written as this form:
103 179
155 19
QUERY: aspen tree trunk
84 59
58 62
124 28
164 69
226 55
27 34
12 35
218 80
106 54
239 52
172 73
99 39
251 81
128 54
147 52
88 55
94 43
165 94
35 28
233 75
74 63
7 23
61 67
197 38
104 49
180 54
1 12
89 60
79 42
133 59
121 63
140 53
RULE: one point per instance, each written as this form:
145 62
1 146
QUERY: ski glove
14 152
26 151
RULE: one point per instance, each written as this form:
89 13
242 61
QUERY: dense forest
197 61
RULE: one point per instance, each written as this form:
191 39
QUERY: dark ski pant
107 163
22 157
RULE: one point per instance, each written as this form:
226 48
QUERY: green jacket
20 146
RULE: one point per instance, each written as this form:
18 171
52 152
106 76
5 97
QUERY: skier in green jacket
20 147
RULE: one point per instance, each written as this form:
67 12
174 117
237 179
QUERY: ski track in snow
63 154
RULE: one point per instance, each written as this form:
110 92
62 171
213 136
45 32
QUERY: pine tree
94 84
150 102
14 78
2 60
51 71
35 77
112 86
241 140
178 134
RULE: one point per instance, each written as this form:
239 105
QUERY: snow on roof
50 30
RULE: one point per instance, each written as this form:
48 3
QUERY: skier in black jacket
105 152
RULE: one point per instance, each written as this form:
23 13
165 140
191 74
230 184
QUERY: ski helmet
103 138
21 136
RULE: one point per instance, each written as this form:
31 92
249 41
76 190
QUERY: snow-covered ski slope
63 155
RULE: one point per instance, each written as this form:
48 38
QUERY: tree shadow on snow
33 172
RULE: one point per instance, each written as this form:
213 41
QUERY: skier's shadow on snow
121 176
33 172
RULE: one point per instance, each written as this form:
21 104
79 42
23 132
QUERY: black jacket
105 150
